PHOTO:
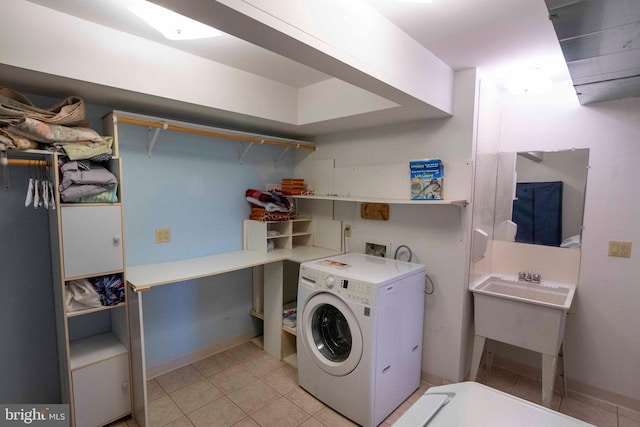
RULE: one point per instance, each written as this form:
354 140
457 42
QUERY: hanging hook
37 197
51 174
44 188
30 189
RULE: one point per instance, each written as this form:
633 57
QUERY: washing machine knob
330 281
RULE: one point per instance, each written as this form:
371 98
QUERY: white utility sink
550 294
524 314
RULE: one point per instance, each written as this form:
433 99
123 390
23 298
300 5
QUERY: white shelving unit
284 234
93 344
289 355
270 297
92 240
95 349
100 359
289 234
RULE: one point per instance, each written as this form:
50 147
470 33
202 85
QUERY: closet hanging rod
218 134
22 162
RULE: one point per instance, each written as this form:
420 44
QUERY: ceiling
499 37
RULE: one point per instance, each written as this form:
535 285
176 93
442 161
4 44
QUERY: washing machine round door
331 334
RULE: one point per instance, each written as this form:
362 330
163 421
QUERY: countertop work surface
144 277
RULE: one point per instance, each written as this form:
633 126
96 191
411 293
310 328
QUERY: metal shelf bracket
279 156
154 137
246 150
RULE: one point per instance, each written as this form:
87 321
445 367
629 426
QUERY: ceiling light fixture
170 24
529 81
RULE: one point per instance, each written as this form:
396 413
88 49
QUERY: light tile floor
244 387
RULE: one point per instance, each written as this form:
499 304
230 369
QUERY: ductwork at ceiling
600 40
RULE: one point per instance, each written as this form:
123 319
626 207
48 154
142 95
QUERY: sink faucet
529 276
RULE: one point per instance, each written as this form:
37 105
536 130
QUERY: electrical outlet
163 235
620 249
347 231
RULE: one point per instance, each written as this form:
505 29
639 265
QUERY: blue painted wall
194 185
28 348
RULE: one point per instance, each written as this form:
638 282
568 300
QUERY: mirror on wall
540 197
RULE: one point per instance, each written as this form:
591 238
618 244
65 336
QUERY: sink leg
488 361
549 365
478 347
562 371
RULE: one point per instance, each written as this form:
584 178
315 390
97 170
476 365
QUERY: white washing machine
360 333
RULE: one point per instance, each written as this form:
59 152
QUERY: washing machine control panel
353 290
349 289
330 281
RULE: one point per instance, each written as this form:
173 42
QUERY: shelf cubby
284 234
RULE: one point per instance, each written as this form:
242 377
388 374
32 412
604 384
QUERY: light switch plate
620 249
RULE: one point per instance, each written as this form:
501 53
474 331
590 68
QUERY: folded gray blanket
77 181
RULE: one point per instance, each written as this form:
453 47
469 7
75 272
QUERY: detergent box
426 179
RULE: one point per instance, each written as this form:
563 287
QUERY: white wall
332 99
437 235
601 342
552 263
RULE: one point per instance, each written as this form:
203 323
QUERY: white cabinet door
91 240
101 392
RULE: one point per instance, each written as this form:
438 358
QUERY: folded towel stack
292 186
269 206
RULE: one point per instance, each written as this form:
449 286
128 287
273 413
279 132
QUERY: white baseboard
432 379
179 362
573 386
605 395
